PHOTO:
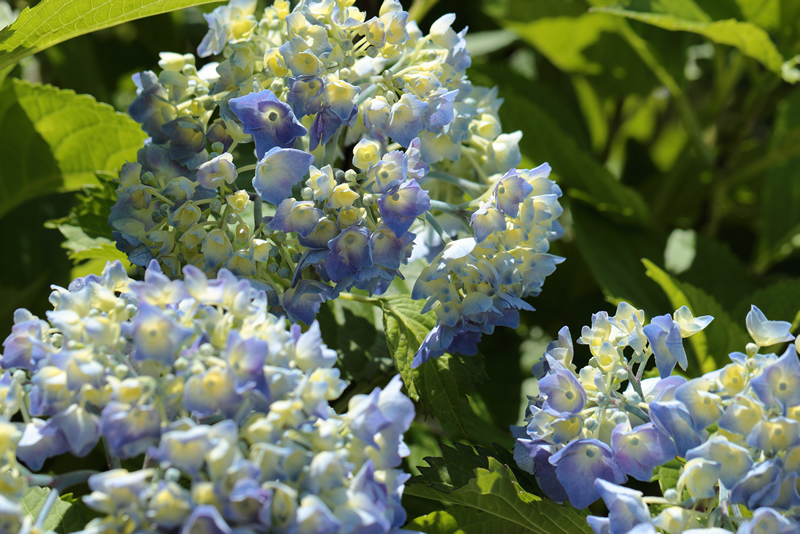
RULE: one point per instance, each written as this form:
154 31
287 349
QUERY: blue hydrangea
227 403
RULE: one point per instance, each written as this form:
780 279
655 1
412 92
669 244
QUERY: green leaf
54 21
613 252
712 345
493 501
64 516
440 385
719 272
780 206
481 43
349 327
667 475
685 15
55 140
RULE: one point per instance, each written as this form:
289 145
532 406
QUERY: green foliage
685 15
487 500
440 386
781 198
54 21
55 141
66 515
667 475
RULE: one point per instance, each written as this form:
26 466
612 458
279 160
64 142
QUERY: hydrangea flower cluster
225 409
734 431
477 283
353 122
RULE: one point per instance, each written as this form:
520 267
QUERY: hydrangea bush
319 177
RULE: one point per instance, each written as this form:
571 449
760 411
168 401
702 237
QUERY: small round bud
230 218
350 175
307 193
590 423
197 368
19 375
279 237
751 349
621 375
284 272
189 70
369 199
217 147
619 417
216 205
633 398
181 364
387 76
601 398
148 179
751 363
72 344
273 252
296 257
344 74
276 86
349 61
172 475
671 495
121 371
372 52
275 24
213 154
272 268
206 349
339 175
201 90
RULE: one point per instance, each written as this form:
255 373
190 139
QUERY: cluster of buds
734 432
226 410
304 90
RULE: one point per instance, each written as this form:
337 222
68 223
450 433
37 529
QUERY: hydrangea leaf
680 15
780 196
441 385
349 328
54 21
723 336
617 268
55 141
667 475
493 501
63 517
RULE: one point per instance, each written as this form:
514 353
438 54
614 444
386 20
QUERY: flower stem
437 227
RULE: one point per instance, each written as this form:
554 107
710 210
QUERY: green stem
365 94
49 501
360 298
437 227
161 197
329 156
246 168
445 207
257 213
456 181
